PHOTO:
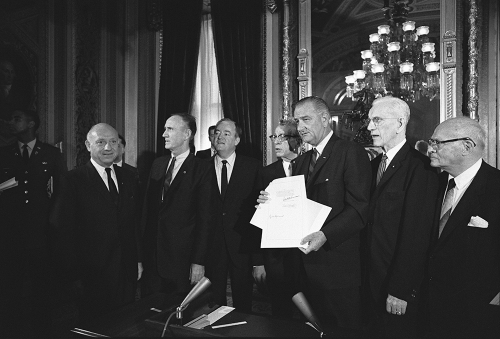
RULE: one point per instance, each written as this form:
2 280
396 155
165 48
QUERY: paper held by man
8 184
288 216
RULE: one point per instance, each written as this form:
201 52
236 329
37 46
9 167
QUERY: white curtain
207 106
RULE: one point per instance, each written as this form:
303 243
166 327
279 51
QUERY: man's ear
87 143
236 141
188 132
468 146
31 124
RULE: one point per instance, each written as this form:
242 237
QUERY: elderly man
95 225
177 213
464 259
402 207
337 174
235 180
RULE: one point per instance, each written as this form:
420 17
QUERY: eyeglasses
433 142
378 120
279 138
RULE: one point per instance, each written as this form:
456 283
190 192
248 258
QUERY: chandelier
400 63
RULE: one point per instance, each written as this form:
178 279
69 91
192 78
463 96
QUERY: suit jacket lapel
96 183
394 165
180 174
37 150
322 159
443 181
235 174
467 203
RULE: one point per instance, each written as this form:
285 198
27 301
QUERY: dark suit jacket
24 210
402 209
178 231
464 263
93 237
341 180
204 154
233 228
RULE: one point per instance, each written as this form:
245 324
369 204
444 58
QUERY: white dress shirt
321 146
218 167
104 176
463 181
287 167
179 160
31 146
392 153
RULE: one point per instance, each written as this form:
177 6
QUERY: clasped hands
315 240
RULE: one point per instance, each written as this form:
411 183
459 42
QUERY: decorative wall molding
286 60
472 83
87 63
304 56
448 73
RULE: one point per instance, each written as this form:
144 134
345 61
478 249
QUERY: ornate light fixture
400 62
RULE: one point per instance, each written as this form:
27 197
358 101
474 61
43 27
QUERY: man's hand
197 272
315 240
259 274
140 269
394 305
263 197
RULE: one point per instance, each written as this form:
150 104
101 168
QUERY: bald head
102 143
465 146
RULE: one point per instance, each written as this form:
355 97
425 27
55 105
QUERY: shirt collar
182 156
230 159
99 168
119 163
393 151
321 146
466 176
30 144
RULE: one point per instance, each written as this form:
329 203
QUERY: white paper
288 216
8 184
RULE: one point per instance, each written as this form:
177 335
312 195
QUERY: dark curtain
181 40
237 40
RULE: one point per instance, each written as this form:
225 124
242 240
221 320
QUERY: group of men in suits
433 263
432 241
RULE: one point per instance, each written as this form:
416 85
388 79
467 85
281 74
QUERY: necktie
26 154
447 205
113 191
289 170
381 168
314 156
168 175
223 179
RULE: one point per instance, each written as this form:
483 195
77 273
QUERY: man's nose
107 146
371 126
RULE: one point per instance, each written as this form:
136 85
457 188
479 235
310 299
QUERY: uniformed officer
24 215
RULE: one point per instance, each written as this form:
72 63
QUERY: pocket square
478 222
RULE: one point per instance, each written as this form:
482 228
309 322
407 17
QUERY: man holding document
336 174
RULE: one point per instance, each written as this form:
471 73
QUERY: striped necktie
168 175
447 205
381 168
312 163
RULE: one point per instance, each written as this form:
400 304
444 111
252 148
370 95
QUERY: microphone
303 305
198 289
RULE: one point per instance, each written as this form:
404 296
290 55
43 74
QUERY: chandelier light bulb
384 29
393 46
359 74
366 54
432 67
350 79
423 30
428 47
408 26
406 67
374 37
378 68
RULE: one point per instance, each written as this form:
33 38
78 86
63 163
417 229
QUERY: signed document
288 216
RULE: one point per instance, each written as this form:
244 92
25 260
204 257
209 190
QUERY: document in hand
8 184
288 216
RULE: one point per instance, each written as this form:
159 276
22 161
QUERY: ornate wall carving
87 52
